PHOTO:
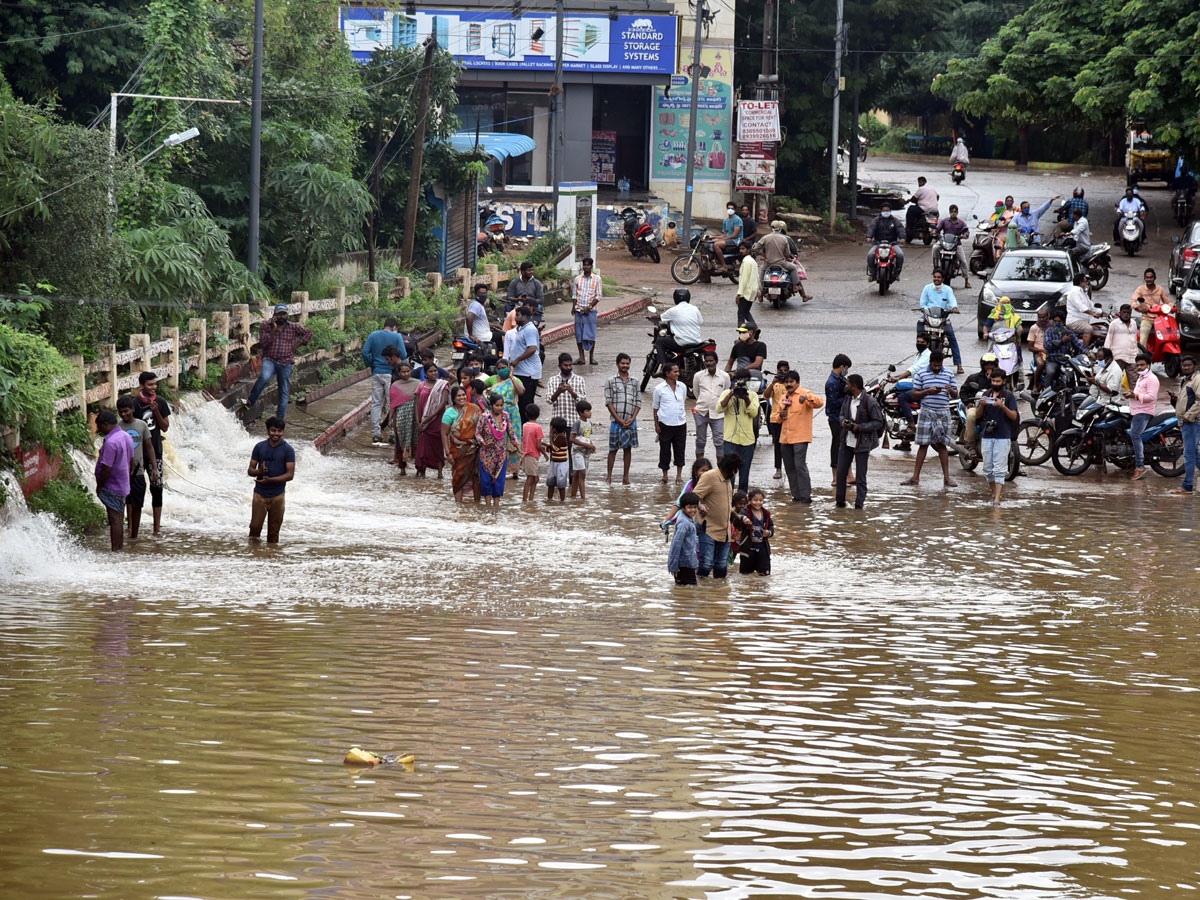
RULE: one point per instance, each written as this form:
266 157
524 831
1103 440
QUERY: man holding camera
740 407
997 417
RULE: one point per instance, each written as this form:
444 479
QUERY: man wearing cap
277 342
778 249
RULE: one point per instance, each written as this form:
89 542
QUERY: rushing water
925 700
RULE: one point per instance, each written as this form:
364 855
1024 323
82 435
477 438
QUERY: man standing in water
272 466
586 289
143 460
624 401
527 362
154 411
112 474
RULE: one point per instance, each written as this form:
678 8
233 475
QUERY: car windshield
1047 269
1193 282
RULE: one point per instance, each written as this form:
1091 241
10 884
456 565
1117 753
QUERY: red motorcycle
639 235
885 266
1163 344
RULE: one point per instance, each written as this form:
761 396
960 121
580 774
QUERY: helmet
779 225
1078 192
682 295
987 358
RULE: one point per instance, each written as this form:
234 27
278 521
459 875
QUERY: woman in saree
433 396
510 388
403 403
494 434
460 441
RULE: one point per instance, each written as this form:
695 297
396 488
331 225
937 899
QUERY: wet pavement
928 698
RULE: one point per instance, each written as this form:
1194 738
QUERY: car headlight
1186 305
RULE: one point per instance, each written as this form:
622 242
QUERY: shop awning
498 145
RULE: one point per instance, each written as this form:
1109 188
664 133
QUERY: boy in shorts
533 439
559 448
581 448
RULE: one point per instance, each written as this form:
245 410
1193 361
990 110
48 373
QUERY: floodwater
928 699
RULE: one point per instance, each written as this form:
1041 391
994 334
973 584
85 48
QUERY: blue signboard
490 39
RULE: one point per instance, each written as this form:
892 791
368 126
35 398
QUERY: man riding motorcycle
1028 223
958 153
975 385
778 249
885 227
1080 238
684 321
1130 203
952 224
925 202
1061 343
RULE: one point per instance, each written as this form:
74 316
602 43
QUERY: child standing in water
560 454
581 448
757 531
684 556
533 439
739 502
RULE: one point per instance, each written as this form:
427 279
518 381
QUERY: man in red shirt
277 342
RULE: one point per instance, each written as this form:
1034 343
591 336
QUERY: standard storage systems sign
758 121
489 39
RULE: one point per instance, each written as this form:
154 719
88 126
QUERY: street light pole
691 145
255 141
556 148
837 96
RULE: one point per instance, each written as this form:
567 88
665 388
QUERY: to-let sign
758 120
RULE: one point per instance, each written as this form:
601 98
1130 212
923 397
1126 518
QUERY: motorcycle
958 173
702 261
1096 262
1004 346
1101 434
933 326
1182 205
971 455
690 359
1163 345
946 258
777 285
1052 413
983 252
1132 231
639 236
492 230
465 347
885 266
887 395
924 225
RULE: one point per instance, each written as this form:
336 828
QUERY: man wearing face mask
920 364
731 231
1028 222
885 227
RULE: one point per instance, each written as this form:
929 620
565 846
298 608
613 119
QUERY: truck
1145 160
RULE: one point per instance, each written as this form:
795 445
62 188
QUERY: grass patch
72 504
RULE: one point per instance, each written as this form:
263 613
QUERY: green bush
894 140
72 504
30 372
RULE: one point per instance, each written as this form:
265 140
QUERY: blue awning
500 146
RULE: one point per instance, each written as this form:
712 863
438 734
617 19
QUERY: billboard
758 121
491 39
672 116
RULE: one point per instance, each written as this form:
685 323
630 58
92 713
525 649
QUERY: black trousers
662 345
845 456
755 558
671 438
775 429
835 449
744 312
685 575
526 398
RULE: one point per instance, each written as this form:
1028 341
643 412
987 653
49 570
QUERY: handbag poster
672 112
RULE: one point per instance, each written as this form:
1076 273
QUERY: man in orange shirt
795 434
1147 297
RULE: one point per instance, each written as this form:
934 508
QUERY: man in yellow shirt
740 406
795 434
749 286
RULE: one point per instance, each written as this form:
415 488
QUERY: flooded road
927 699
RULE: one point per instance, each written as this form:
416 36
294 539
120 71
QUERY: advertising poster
755 169
492 39
672 112
604 157
758 120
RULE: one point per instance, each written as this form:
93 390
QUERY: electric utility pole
837 96
418 160
556 101
769 38
855 143
691 145
255 140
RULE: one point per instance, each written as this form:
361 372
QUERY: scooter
970 455
1163 345
690 359
1182 205
983 252
1101 434
701 260
946 258
777 285
1004 346
639 236
1132 231
885 266
958 173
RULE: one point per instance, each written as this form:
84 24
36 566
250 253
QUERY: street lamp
173 140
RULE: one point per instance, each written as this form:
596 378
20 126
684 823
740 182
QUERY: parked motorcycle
887 395
1004 346
639 235
1132 231
958 173
1163 344
970 455
885 266
690 359
1100 434
702 260
945 259
1052 412
492 230
1182 205
777 285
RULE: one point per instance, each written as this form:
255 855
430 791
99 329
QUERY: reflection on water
913 706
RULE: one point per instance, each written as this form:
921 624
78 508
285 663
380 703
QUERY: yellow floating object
408 759
360 757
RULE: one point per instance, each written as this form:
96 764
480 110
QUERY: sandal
950 483
911 482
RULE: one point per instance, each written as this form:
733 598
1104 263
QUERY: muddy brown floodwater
916 704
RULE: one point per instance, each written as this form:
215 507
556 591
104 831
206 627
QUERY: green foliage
325 335
328 373
72 504
492 259
29 372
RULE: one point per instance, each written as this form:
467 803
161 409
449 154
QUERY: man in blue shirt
1028 222
904 395
272 466
938 295
934 388
381 371
1060 343
527 363
731 231
1130 203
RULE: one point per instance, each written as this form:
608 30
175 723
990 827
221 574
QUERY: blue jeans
746 452
1191 437
954 351
714 557
282 374
995 459
1136 427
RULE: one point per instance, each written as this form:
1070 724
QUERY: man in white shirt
1081 234
478 325
670 422
1106 384
684 321
708 386
1130 203
1079 309
925 202
1122 337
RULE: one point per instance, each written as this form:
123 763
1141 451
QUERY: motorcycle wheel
654 255
1171 364
927 239
1166 454
1034 442
647 372
883 285
1130 247
976 265
966 459
1014 463
1100 280
686 269
1071 454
